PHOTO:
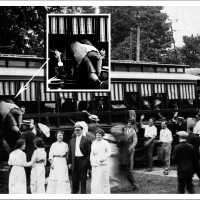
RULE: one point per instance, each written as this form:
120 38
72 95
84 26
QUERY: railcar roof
153 76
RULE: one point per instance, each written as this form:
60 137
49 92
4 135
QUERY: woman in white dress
17 176
99 158
58 181
38 162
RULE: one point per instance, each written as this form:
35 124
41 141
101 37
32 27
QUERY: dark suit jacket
185 158
85 147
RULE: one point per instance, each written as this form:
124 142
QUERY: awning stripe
80 25
146 89
22 94
61 25
130 87
101 94
84 96
1 88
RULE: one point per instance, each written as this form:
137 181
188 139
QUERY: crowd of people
89 152
76 157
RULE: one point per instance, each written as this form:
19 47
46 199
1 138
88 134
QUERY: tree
190 52
22 29
156 35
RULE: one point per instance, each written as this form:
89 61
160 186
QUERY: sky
185 21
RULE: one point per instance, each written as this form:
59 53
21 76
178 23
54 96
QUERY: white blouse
17 158
100 150
58 149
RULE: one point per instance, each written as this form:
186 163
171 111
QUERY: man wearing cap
186 161
79 158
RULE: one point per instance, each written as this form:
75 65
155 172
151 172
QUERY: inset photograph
78 52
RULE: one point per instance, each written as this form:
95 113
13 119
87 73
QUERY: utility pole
138 38
131 44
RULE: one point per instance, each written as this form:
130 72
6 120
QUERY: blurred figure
127 146
100 152
186 161
89 63
166 141
150 133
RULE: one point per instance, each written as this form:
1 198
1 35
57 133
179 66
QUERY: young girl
38 163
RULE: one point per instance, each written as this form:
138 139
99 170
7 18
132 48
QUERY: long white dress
100 170
38 171
58 181
17 176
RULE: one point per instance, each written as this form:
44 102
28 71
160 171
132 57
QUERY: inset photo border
78 50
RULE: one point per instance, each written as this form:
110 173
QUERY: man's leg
181 185
75 177
167 155
83 178
150 155
189 185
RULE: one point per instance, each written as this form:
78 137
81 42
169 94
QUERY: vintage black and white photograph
141 137
78 52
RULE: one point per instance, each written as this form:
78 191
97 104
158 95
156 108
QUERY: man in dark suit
79 158
186 161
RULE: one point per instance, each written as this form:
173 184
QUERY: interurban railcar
149 88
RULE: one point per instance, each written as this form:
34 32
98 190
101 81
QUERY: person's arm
170 137
141 121
33 160
51 156
107 152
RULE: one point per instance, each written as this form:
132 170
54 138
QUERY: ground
149 183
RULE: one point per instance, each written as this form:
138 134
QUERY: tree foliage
155 34
22 29
190 52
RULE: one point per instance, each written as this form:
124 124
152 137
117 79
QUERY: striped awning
30 93
146 89
131 87
116 92
187 91
101 94
46 96
159 88
172 90
7 88
80 25
66 95
84 96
